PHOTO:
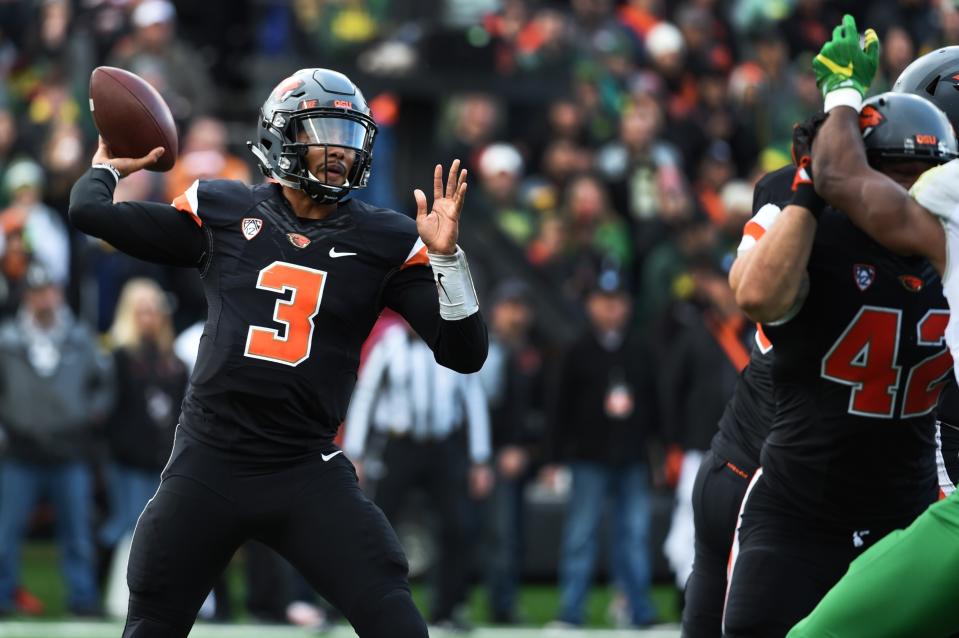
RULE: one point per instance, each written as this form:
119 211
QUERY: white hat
23 173
663 39
500 158
151 12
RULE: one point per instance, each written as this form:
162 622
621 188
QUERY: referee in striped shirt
419 409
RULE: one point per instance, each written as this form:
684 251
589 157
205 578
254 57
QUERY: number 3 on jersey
864 357
296 315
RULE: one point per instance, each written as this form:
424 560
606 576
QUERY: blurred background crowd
612 146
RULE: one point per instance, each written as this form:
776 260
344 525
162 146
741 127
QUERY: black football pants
717 495
786 563
310 511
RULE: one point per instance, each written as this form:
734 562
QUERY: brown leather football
132 116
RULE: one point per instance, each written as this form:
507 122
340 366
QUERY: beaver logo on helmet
285 89
869 118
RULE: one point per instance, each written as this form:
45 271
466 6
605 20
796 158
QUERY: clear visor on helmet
330 131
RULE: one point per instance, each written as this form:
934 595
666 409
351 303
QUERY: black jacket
697 380
150 390
604 406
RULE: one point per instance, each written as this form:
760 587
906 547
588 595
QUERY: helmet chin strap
346 182
326 198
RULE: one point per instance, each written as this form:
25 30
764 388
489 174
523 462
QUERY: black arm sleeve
147 230
458 345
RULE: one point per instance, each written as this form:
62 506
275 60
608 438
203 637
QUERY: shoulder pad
774 188
217 202
394 233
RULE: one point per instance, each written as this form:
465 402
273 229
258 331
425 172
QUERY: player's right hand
843 63
125 165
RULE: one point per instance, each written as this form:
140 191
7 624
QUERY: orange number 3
296 315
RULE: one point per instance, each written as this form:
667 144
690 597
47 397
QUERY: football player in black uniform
734 455
734 451
295 273
858 368
906 584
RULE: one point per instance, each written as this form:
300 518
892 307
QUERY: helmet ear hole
931 87
265 143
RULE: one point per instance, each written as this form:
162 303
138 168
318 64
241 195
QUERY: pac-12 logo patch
251 227
298 240
864 275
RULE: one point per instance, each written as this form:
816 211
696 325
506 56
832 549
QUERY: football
132 116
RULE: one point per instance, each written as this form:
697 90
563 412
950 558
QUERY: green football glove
844 66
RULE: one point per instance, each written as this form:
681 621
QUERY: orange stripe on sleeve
754 230
183 204
765 345
189 202
418 258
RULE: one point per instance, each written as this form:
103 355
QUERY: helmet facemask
341 136
313 109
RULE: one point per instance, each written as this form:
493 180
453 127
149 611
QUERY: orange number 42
296 315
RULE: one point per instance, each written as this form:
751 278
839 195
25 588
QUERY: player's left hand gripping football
439 229
125 165
844 63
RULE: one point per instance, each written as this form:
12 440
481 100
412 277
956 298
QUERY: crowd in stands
612 147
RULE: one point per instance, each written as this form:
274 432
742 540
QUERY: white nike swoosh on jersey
335 254
327 457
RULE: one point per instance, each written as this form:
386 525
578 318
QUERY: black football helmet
900 126
314 107
934 76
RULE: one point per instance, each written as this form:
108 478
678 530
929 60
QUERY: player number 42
296 315
864 357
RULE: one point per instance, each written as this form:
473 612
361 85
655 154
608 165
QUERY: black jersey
858 373
749 413
290 302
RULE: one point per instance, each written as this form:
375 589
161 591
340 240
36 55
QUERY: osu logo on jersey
251 227
298 240
864 275
911 283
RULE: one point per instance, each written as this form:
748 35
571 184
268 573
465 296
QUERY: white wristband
454 284
842 97
111 169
